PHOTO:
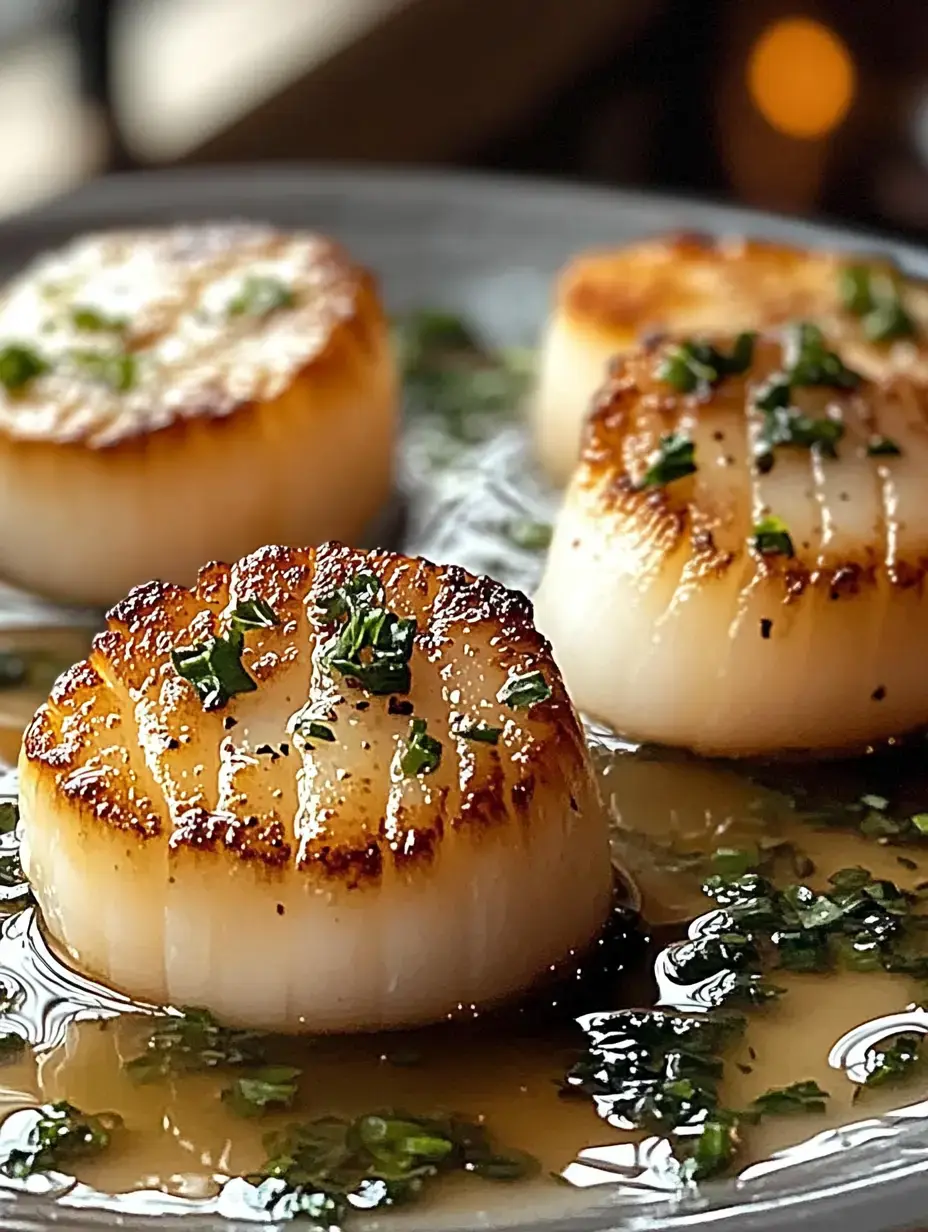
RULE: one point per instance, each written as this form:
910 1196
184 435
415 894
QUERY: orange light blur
801 77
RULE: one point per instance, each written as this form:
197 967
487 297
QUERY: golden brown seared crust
636 408
719 283
486 787
195 358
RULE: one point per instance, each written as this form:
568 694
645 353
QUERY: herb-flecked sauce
676 820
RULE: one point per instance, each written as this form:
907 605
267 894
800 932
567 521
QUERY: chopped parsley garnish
673 459
806 1096
19 365
450 375
274 1086
661 1072
373 645
117 369
860 922
252 614
214 667
693 365
883 447
522 692
261 295
807 362
328 1168
13 883
479 731
870 815
651 1069
193 1041
528 535
874 295
94 321
422 754
895 1062
9 816
787 426
426 337
771 537
312 729
61 1135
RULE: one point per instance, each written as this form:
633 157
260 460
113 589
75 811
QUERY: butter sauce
181 1144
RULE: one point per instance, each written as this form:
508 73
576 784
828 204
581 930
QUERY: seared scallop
323 790
169 397
739 563
606 302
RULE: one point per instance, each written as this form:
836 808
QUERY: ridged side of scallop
607 302
214 857
201 390
668 621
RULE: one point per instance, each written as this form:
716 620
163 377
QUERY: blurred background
807 107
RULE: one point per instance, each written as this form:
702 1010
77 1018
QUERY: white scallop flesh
219 857
668 622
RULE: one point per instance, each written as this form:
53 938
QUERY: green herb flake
529 535
807 362
215 670
522 692
478 731
9 816
661 1072
920 822
214 667
895 1062
422 754
117 369
883 447
373 646
312 729
92 320
274 1086
771 537
452 378
875 296
328 1167
61 1135
261 295
19 365
695 366
13 882
712 1151
672 460
806 1096
253 614
785 426
193 1041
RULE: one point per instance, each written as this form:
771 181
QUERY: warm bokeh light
801 77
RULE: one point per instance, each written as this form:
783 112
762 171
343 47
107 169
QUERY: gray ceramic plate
488 248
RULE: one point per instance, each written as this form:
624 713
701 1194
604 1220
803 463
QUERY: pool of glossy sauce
504 1068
